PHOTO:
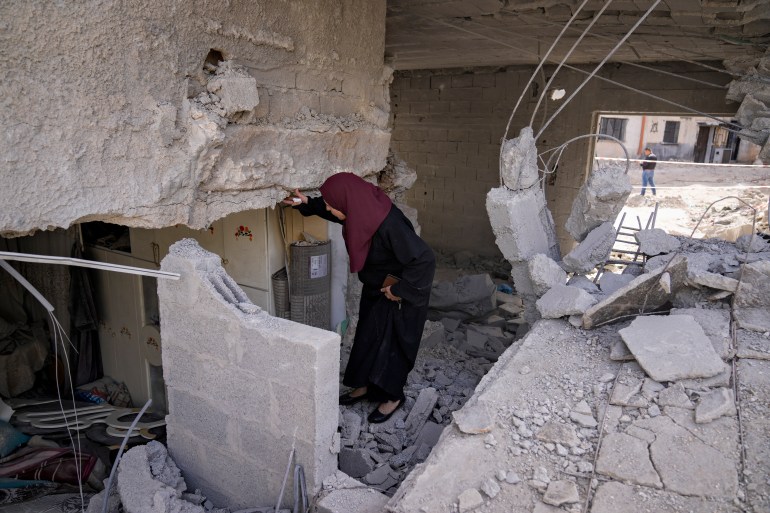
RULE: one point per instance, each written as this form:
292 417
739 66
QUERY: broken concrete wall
448 125
122 112
242 385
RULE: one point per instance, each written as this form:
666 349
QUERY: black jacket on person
649 162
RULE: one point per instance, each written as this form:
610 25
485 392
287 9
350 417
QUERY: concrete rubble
655 241
594 249
649 396
600 199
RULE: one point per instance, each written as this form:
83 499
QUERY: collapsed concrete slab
670 348
230 371
644 294
656 241
594 249
599 200
715 324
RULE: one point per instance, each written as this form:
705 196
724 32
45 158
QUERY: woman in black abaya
380 241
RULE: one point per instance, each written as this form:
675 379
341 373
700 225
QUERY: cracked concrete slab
627 458
644 294
754 397
670 348
614 497
753 345
715 324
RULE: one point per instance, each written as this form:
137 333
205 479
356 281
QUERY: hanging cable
598 67
567 56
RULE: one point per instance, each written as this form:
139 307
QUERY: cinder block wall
448 125
240 385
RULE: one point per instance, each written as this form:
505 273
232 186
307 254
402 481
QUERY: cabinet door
245 248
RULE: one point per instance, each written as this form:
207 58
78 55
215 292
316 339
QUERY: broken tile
670 349
561 492
627 458
717 403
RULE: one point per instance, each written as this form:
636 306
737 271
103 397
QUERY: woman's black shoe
377 417
346 399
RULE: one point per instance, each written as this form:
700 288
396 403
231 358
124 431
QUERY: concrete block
599 200
421 410
229 395
520 161
562 300
671 348
754 290
517 220
656 241
545 273
594 249
610 282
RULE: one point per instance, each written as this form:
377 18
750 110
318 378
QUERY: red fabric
48 464
365 207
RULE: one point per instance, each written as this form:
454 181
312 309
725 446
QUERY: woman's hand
388 294
292 200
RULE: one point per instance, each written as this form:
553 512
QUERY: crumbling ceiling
429 34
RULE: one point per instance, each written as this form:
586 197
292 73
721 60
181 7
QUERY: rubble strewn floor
551 399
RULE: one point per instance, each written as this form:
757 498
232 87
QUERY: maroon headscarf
365 207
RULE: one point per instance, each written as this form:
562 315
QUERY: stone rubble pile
752 92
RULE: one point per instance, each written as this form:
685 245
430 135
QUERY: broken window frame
671 132
614 127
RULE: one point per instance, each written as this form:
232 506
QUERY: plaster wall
111 112
649 131
448 125
243 387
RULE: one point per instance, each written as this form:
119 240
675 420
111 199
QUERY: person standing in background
648 170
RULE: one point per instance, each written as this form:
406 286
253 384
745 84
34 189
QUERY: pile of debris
632 415
456 352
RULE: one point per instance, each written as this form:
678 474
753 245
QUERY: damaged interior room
385 256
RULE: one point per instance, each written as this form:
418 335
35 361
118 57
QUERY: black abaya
388 333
